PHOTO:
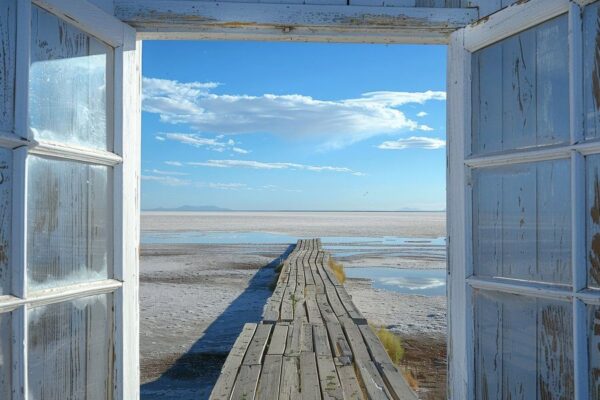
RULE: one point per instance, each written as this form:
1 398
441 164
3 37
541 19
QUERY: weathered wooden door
524 203
69 165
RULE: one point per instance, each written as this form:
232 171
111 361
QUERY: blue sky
293 126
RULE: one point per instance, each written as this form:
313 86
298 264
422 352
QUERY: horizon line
231 210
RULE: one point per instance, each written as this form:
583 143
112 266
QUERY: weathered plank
371 380
334 300
270 378
370 377
314 316
309 380
177 19
328 273
288 303
339 344
6 214
8 35
355 339
394 381
271 313
294 339
289 388
225 383
306 344
349 382
353 312
278 340
328 378
374 345
308 275
321 341
246 382
257 346
325 308
396 384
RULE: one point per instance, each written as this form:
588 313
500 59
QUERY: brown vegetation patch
338 270
424 365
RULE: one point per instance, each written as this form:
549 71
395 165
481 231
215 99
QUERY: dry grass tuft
391 342
338 270
410 379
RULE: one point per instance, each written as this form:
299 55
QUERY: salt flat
305 224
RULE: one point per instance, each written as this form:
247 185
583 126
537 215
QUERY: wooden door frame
316 23
124 113
461 280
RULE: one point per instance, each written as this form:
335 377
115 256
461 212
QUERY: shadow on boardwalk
194 374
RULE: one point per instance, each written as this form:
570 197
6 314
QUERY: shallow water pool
424 282
335 242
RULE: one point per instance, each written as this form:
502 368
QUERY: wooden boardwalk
313 343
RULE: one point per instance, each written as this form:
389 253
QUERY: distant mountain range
189 208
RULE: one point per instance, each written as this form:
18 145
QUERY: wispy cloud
422 114
413 142
222 186
167 180
174 163
334 123
272 166
216 144
162 172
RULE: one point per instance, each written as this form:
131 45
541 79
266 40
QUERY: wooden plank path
313 343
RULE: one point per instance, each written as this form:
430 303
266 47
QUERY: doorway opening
248 147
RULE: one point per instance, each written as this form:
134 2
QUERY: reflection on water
423 282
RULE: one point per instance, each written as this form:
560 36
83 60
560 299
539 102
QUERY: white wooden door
524 203
69 180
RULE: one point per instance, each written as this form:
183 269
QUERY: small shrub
338 270
391 342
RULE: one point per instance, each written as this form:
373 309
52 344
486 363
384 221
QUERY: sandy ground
404 314
196 298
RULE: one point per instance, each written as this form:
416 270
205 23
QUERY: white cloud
166 180
161 172
413 142
422 114
271 166
334 123
154 87
159 138
174 163
215 144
